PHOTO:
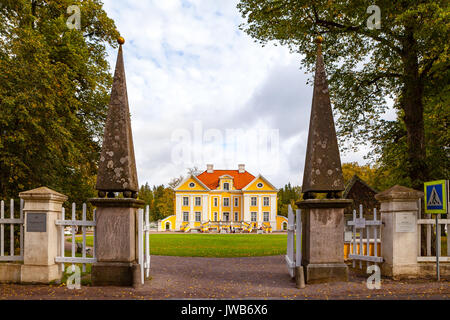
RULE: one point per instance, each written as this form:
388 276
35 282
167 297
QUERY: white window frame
216 202
185 214
236 200
200 201
223 216
216 216
184 202
251 201
266 214
254 216
226 183
199 216
268 201
236 216
226 205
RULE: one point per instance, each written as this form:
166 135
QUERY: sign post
436 200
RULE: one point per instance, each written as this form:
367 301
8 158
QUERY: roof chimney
241 168
210 168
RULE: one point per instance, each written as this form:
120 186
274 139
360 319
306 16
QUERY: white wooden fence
144 250
428 220
362 224
12 222
294 237
74 224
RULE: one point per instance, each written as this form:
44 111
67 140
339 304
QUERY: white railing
74 224
294 237
144 250
11 222
429 222
362 224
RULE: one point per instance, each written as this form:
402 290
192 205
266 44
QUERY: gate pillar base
115 241
40 274
112 274
323 239
326 272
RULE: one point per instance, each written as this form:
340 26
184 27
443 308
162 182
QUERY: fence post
399 207
42 207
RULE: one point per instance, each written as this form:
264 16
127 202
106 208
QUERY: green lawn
214 245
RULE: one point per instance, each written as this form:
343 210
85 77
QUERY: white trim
187 179
256 179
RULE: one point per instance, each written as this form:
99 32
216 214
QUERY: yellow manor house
224 201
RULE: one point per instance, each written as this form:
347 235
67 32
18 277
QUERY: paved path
233 278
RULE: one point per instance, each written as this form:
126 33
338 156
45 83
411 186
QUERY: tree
54 92
369 174
287 196
405 60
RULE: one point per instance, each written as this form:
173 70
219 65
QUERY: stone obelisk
116 240
323 219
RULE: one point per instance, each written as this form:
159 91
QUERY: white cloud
187 61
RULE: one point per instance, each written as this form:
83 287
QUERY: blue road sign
436 197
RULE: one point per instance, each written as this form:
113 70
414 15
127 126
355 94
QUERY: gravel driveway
233 278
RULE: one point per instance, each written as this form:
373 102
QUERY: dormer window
226 186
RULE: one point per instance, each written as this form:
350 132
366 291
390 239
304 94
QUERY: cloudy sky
202 91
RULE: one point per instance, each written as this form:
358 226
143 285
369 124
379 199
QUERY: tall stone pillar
42 207
399 233
323 219
323 240
116 237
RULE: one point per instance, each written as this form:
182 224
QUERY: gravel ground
233 278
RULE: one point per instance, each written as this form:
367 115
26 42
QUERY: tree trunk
412 104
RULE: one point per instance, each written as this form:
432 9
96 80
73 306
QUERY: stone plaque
405 222
36 222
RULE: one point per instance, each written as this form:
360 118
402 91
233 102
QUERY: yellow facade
223 199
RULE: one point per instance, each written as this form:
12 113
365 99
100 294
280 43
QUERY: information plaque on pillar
405 222
36 222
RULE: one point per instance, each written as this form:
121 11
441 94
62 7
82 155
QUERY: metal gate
144 249
87 254
357 252
294 237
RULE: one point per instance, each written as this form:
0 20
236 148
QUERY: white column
179 214
247 214
205 208
220 208
273 211
260 218
191 214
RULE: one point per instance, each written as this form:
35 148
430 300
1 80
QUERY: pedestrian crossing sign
436 197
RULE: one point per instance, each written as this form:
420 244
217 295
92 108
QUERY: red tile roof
240 180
